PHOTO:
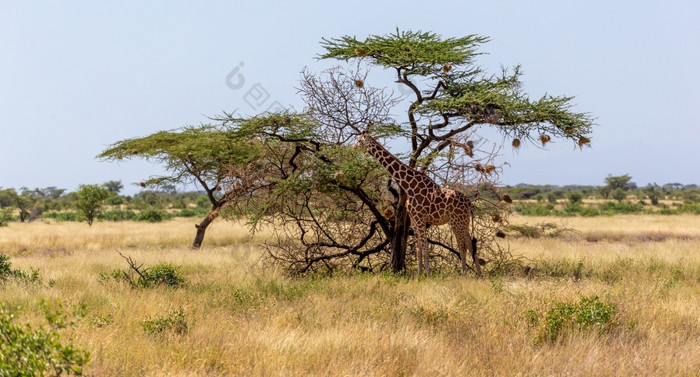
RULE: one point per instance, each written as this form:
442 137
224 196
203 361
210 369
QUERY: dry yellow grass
245 319
677 225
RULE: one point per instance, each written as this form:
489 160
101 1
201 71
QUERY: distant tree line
103 202
619 194
99 202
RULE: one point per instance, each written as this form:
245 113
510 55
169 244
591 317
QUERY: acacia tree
452 102
24 202
113 186
90 200
203 155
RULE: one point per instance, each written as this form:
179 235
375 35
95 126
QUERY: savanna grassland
234 315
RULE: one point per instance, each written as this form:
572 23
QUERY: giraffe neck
400 172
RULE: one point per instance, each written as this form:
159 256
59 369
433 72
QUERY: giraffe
428 203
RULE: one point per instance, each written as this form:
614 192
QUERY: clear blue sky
76 76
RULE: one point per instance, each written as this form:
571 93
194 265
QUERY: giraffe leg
426 256
461 234
472 249
421 248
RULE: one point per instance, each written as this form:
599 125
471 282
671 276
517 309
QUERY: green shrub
139 277
588 313
525 230
174 322
25 351
68 216
7 272
118 215
190 212
612 208
117 274
115 200
6 216
203 202
693 208
575 209
619 194
90 200
572 209
152 215
162 274
589 212
575 197
62 216
534 210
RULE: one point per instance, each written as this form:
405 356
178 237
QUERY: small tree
620 182
653 193
575 197
204 155
90 200
619 195
24 204
5 216
113 186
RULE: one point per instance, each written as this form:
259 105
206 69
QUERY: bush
25 351
118 215
7 272
612 208
5 216
654 197
115 200
572 209
90 199
589 312
117 274
189 212
139 277
575 209
693 208
62 216
534 211
152 215
174 321
203 202
619 194
575 197
162 274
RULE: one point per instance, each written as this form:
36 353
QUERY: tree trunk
399 241
202 227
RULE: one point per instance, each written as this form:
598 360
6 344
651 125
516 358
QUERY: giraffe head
362 140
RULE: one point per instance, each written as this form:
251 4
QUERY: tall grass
242 318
